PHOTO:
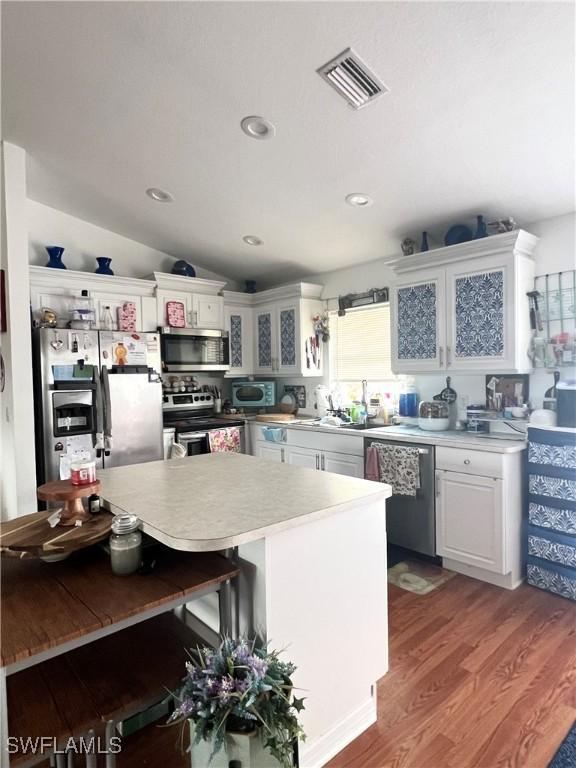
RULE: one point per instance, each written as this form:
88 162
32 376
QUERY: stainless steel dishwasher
411 520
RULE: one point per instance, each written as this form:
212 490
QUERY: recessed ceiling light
359 199
257 127
159 195
252 240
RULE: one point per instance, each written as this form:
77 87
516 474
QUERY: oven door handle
192 436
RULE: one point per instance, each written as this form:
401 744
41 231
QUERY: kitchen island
312 554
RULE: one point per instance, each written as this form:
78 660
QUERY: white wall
556 252
17 422
84 241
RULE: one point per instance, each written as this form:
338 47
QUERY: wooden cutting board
31 535
275 417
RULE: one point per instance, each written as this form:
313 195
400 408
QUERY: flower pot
245 749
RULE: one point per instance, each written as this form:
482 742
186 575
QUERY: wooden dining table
82 648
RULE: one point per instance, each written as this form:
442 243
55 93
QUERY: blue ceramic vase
55 252
424 244
481 230
103 267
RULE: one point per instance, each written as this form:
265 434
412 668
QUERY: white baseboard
317 753
507 581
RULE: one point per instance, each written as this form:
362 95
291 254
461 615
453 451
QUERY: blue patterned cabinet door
265 340
479 315
287 337
416 322
235 341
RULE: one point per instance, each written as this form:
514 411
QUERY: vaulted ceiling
110 98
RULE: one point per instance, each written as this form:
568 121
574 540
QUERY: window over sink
360 349
360 345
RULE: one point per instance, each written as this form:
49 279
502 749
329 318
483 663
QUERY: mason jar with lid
125 544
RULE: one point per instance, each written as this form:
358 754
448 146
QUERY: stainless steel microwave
189 349
253 394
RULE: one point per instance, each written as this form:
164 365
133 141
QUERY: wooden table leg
4 756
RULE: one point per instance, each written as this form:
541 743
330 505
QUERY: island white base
319 591
342 734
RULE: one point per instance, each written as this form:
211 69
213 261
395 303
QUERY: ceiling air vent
350 76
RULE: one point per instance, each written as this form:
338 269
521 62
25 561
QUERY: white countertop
449 439
220 500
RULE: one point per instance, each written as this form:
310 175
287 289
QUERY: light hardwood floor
479 676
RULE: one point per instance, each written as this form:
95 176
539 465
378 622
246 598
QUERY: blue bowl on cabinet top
459 233
184 269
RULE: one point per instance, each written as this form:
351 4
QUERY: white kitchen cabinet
239 322
203 306
59 289
326 461
115 302
162 300
270 451
204 312
278 339
418 323
207 312
266 355
342 464
286 344
464 307
303 457
470 520
480 317
283 337
288 359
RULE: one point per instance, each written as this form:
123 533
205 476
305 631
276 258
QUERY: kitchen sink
356 426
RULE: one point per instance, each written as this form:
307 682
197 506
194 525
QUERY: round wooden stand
71 495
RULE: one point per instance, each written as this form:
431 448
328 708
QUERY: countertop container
125 544
434 415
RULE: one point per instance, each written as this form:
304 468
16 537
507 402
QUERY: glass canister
125 544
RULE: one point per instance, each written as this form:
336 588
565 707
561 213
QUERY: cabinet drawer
552 577
556 547
470 462
326 441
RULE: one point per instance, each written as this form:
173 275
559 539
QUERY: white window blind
360 345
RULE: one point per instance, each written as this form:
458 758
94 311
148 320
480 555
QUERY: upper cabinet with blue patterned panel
418 308
272 332
464 307
239 322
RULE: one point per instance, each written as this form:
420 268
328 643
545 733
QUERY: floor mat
566 755
418 576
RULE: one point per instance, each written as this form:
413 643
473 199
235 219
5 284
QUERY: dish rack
555 345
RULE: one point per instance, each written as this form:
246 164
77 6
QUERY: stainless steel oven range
191 414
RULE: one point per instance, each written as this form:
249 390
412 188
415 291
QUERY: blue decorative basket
274 434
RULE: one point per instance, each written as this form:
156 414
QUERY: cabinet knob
466 461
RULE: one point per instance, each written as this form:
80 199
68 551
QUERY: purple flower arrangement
240 687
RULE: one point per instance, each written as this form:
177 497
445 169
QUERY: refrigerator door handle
99 415
107 412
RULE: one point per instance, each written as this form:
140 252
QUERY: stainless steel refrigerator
96 392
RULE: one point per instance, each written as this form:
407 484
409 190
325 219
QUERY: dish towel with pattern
400 467
224 440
